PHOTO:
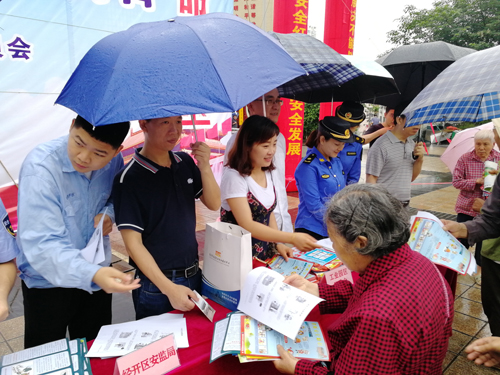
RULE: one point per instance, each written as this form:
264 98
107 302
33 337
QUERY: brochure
440 247
268 299
261 341
320 256
205 308
293 266
57 357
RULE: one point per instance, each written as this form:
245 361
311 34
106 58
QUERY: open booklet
430 239
238 334
259 341
266 298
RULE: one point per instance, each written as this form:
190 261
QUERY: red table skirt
196 358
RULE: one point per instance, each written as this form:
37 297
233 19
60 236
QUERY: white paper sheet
116 340
94 251
37 351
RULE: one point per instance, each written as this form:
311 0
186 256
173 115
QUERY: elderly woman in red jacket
468 178
396 318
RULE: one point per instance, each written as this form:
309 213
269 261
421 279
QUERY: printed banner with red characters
290 16
340 22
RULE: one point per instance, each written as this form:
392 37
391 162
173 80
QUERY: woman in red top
396 318
468 178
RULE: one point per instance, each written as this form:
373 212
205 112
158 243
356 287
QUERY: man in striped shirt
154 198
395 160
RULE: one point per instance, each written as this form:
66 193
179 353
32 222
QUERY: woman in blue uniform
352 153
320 174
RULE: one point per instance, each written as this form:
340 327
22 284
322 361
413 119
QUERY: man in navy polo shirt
154 198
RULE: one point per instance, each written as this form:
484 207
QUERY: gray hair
369 210
485 134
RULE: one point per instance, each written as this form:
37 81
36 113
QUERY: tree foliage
466 23
311 116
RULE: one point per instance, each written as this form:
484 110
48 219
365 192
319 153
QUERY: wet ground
431 191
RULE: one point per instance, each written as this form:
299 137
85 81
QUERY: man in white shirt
269 105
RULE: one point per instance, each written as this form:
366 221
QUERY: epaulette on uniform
359 140
309 159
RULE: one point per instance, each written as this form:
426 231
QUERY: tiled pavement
432 191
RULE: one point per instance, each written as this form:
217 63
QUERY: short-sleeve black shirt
159 202
373 129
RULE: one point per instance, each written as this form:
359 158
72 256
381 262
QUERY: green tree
311 116
466 23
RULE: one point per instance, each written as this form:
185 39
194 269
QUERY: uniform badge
348 115
7 225
325 176
351 153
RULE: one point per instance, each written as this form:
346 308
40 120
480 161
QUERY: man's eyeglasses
270 102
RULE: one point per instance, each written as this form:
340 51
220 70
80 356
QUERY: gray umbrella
415 66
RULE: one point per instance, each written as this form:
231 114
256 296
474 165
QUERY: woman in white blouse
247 190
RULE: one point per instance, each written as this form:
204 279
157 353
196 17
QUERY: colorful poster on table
291 16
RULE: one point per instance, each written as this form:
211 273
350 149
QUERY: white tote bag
226 263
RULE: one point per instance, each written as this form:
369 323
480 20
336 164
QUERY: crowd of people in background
67 185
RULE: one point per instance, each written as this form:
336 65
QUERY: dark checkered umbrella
332 76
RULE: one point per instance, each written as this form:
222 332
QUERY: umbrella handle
194 128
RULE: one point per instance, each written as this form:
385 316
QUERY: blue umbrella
468 90
211 63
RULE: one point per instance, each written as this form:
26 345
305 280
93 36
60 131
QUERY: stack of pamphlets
430 239
57 357
272 313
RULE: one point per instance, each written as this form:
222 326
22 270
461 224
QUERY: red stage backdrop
290 16
340 21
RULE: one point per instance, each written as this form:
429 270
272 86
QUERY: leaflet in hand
259 341
205 308
432 241
268 299
94 251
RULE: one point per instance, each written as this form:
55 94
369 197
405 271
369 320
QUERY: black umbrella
415 66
